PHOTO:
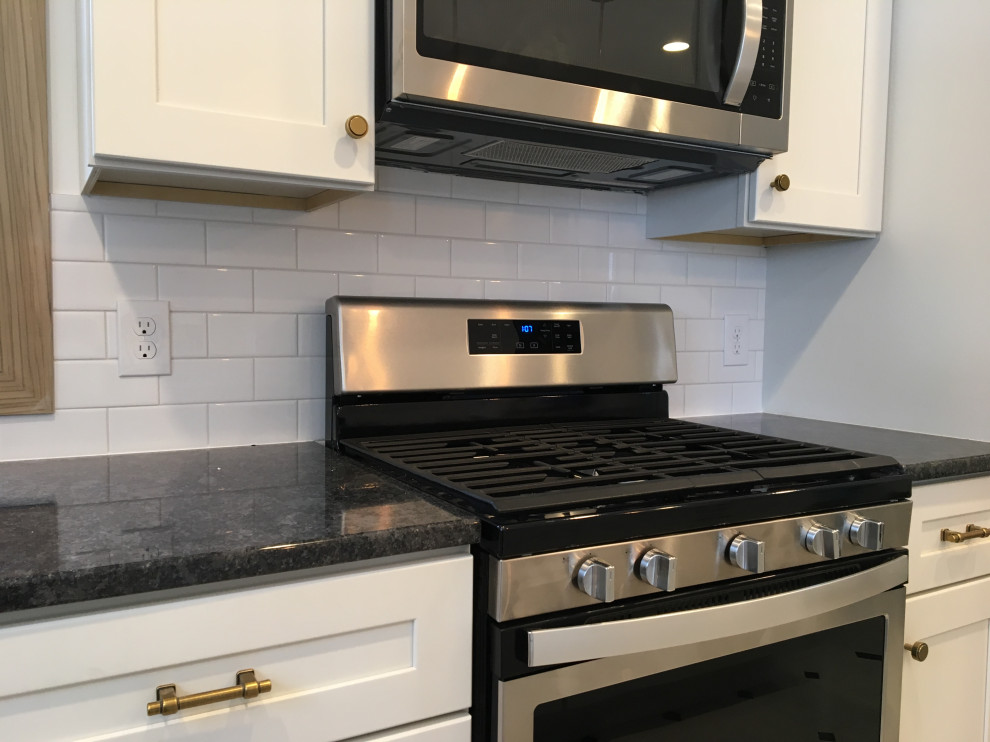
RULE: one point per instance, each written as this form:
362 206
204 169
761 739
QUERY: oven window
610 44
824 687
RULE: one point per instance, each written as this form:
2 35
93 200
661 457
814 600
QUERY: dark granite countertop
924 457
106 526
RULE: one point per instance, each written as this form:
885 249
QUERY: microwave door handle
749 49
630 636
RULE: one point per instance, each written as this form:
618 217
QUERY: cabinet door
945 697
838 114
347 655
252 86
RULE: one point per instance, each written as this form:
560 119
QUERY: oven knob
867 533
597 579
747 553
658 569
825 542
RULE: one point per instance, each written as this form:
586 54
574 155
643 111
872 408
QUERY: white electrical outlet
735 346
143 344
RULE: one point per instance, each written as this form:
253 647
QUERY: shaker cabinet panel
945 696
836 137
347 655
249 97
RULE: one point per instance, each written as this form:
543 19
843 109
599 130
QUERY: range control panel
522 336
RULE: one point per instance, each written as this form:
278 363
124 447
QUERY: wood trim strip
220 198
26 354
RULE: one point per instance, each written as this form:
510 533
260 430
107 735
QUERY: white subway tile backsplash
675 398
573 291
719 372
660 267
480 189
79 335
629 230
205 289
510 223
687 302
325 217
332 250
371 285
252 423
450 288
704 334
401 180
751 272
711 270
517 290
484 259
81 384
417 256
707 399
445 217
157 428
636 294
607 264
747 397
200 380
293 291
290 378
188 334
246 335
312 334
735 301
82 286
312 419
77 235
143 239
692 368
549 262
542 195
66 433
379 212
623 203
213 212
569 227
250 245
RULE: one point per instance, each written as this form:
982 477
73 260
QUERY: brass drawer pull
972 531
169 703
918 650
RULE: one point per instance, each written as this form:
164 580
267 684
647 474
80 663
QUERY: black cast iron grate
573 464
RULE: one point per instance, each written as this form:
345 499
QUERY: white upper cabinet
246 97
835 157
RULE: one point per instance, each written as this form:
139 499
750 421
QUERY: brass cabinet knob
918 650
357 127
780 183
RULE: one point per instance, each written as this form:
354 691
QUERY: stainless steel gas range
639 577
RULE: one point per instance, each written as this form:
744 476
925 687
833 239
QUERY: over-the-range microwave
616 94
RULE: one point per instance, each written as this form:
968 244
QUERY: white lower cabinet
948 609
383 652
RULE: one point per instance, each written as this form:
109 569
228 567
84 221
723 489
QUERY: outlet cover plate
735 347
132 332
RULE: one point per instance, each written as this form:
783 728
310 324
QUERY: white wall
247 289
896 332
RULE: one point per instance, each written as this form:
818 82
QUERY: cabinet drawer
952 505
347 655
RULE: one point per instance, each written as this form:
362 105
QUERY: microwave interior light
676 46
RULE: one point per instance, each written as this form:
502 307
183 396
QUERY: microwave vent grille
558 158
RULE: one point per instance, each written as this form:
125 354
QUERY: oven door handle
630 636
749 46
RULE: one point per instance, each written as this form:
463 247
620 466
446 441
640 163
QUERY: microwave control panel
765 95
523 336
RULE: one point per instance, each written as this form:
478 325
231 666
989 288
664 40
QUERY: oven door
789 666
599 62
